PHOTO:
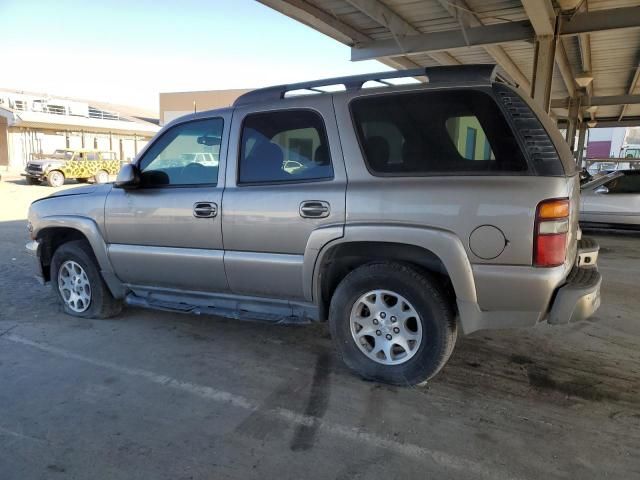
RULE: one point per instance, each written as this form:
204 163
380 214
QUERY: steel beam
331 26
632 87
397 25
543 62
460 10
543 18
599 101
598 20
447 40
582 134
572 120
607 122
506 32
541 15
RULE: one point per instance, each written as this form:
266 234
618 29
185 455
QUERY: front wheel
77 281
392 324
55 178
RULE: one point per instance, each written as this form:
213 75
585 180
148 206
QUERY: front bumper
37 175
579 297
33 250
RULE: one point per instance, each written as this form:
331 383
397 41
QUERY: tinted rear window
426 133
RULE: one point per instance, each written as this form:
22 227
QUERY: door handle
205 209
314 209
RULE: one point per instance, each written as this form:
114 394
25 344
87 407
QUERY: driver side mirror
601 189
128 177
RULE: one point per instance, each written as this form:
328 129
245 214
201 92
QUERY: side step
587 252
281 313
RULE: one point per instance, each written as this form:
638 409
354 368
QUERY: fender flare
445 245
89 228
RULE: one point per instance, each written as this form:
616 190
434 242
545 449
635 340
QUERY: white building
32 124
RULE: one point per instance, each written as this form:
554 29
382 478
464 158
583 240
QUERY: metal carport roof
591 39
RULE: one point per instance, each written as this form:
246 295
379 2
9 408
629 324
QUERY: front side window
186 154
286 146
92 156
460 132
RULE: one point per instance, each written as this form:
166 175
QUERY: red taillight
550 234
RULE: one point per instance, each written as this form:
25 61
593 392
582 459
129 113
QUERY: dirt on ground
159 395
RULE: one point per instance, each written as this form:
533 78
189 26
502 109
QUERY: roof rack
481 73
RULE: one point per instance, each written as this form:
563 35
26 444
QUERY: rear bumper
578 299
514 296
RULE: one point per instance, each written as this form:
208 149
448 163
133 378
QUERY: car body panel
599 206
262 225
78 166
162 219
259 247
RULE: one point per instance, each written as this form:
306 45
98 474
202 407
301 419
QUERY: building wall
24 143
4 143
177 104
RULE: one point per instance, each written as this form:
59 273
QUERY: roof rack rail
481 73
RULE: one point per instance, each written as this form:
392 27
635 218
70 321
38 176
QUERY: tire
55 178
32 181
101 176
431 323
101 303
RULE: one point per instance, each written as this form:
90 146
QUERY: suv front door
167 233
284 196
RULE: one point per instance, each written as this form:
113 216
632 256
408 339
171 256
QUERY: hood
83 190
47 161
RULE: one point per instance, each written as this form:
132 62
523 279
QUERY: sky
128 51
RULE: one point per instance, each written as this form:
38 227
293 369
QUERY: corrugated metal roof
615 54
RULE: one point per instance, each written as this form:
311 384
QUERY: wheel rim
386 327
56 178
74 287
102 177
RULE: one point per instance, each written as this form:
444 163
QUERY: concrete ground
153 395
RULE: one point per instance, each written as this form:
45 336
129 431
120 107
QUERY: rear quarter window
436 132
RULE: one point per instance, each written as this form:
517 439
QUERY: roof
466 74
598 39
39 110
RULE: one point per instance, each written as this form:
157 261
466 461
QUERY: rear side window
284 146
426 133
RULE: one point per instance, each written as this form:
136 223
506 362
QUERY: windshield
64 154
601 178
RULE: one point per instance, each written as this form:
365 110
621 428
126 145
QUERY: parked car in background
64 164
612 200
402 214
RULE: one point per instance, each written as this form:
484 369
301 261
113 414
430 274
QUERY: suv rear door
168 233
284 196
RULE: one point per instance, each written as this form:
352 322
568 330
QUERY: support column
543 63
582 135
572 121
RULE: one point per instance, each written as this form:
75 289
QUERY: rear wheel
76 280
55 178
32 181
101 177
392 324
